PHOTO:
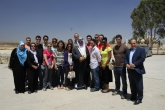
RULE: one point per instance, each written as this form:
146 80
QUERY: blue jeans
95 77
60 75
120 72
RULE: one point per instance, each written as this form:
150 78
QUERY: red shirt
49 56
101 45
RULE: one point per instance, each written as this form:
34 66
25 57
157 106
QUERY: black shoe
94 90
16 92
35 91
124 96
29 92
137 102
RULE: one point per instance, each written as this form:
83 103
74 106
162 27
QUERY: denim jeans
47 79
120 72
60 75
40 76
95 74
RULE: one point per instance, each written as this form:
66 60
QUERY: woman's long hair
63 47
66 49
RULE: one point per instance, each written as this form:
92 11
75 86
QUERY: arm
29 61
75 56
98 56
141 59
66 58
109 56
11 62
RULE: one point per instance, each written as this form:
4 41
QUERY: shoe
51 88
123 96
29 92
94 90
44 89
16 92
103 91
35 91
137 102
115 93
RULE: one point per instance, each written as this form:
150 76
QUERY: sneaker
94 90
51 88
115 93
44 89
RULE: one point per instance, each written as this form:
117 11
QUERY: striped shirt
59 56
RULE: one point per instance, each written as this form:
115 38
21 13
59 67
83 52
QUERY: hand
71 68
132 66
103 66
128 66
81 59
35 67
49 66
55 67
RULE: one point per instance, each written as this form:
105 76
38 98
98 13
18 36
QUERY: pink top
49 56
89 48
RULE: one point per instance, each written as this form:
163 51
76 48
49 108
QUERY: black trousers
32 79
136 84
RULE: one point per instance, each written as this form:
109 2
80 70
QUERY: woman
48 64
81 62
32 70
106 56
18 65
70 41
59 62
68 65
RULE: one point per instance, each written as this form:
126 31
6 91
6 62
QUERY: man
99 43
45 39
119 52
134 62
27 45
95 59
39 50
89 38
76 37
81 62
96 38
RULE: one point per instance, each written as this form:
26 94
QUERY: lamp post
71 31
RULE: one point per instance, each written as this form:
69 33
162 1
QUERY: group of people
52 62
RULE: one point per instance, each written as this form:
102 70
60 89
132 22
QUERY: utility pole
71 31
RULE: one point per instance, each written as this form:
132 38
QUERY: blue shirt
131 55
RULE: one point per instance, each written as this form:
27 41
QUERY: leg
41 76
124 80
117 78
58 76
36 80
30 77
50 78
62 76
45 77
132 86
95 74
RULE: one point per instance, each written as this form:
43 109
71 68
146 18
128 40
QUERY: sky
27 18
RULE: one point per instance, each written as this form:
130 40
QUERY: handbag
42 67
71 75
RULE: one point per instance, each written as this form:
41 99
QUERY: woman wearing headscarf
105 52
32 70
18 65
81 61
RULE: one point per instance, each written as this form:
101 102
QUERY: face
100 38
76 36
45 39
118 40
80 42
49 46
60 45
38 40
133 44
69 47
92 43
22 46
88 39
96 37
28 41
33 47
54 41
104 42
70 42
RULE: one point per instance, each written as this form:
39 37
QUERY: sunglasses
69 46
38 39
49 46
33 46
96 37
103 42
45 39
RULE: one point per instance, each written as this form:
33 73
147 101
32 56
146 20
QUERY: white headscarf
35 57
82 48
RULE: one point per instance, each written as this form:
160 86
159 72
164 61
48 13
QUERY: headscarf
21 53
82 48
35 57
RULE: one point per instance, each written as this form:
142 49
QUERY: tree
149 18
113 40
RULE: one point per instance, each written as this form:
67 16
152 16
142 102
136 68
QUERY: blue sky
27 18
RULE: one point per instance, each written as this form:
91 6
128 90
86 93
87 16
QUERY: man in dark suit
135 56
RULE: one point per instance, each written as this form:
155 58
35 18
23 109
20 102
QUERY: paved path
154 94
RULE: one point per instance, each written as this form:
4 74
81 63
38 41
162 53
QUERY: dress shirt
131 55
95 57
